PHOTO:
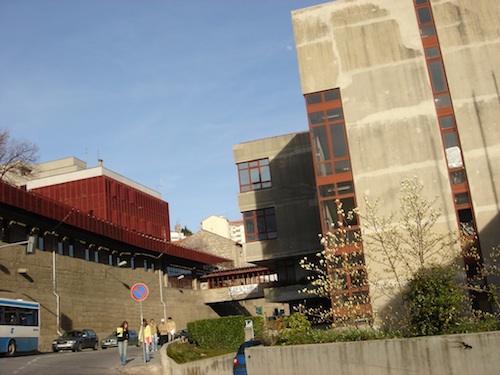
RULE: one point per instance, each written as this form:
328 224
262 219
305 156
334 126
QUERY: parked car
112 341
76 340
240 361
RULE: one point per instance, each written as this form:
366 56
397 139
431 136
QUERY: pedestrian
163 331
154 335
145 338
171 328
122 336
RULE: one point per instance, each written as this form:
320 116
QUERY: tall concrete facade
414 84
394 90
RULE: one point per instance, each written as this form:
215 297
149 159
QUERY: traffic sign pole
143 334
140 292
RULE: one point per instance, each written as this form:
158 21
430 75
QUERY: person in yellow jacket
145 338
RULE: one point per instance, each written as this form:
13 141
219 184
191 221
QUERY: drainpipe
160 274
58 299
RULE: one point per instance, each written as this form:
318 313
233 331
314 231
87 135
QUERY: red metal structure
113 201
37 204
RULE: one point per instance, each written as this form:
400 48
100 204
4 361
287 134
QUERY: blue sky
160 90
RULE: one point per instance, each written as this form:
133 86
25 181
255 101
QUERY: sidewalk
136 365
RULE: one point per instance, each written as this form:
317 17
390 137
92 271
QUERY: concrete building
393 90
223 227
280 210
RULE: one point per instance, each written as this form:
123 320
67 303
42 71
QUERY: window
254 175
260 224
332 95
424 15
285 269
317 118
314 99
338 140
432 53
453 152
447 122
466 222
343 187
442 100
457 177
437 76
320 140
461 199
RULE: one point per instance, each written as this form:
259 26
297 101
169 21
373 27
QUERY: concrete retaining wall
221 365
92 295
475 354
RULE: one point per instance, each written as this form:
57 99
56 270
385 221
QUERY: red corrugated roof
43 206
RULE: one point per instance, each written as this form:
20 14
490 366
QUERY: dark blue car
240 362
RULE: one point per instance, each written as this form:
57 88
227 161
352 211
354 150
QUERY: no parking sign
139 292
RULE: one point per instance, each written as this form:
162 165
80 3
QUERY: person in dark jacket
122 337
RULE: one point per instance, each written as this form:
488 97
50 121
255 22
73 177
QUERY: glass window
254 175
260 224
432 53
356 259
461 198
330 216
466 222
453 152
316 118
447 122
348 206
358 278
87 254
339 143
427 31
314 98
334 114
424 15
324 169
340 279
332 95
320 140
342 166
285 269
420 2
60 248
437 76
337 261
457 177
326 191
442 100
71 250
345 187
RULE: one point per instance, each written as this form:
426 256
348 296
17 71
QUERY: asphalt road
100 362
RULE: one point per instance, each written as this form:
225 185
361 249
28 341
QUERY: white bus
19 326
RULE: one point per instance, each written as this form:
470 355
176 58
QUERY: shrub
434 302
223 333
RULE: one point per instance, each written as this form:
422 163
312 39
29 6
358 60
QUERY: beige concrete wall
434 355
372 51
92 295
469 36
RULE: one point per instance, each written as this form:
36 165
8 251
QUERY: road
101 362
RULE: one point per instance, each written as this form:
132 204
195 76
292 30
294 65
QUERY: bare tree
16 157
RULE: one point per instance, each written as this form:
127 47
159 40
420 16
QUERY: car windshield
72 334
247 344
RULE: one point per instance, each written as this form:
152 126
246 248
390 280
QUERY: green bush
223 333
434 301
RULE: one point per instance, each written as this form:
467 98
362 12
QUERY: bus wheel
11 350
